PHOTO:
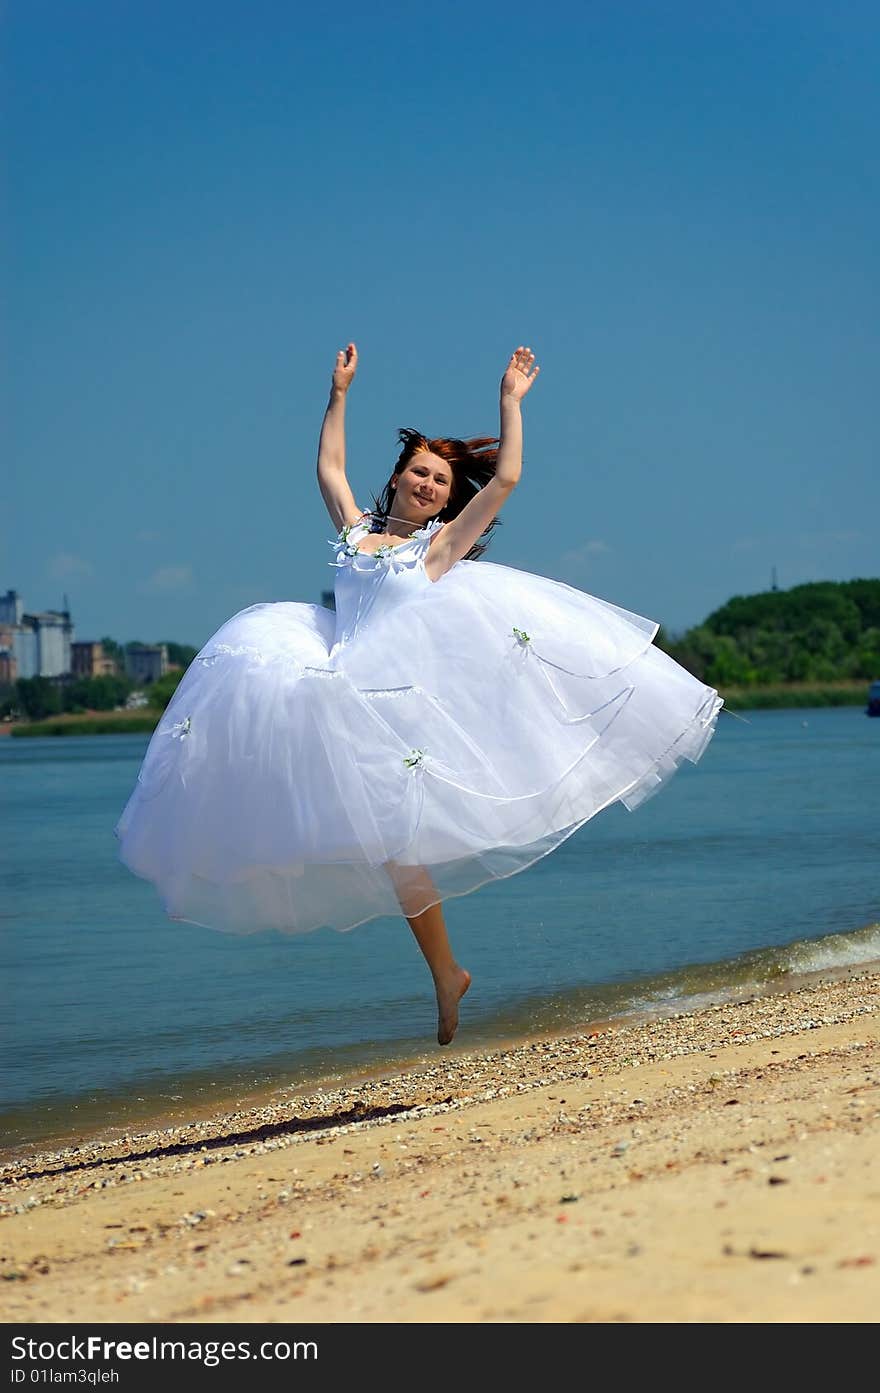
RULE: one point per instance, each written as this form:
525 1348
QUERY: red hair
471 463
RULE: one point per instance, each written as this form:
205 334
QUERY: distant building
10 608
88 659
8 663
146 662
42 643
26 652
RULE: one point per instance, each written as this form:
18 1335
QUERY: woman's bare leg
450 981
414 886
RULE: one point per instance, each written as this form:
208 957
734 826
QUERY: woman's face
423 487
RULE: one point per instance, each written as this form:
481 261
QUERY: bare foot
449 994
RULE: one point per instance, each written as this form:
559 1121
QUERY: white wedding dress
318 769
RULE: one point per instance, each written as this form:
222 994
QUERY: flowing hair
471 463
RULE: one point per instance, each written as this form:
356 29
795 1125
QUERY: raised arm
332 480
458 536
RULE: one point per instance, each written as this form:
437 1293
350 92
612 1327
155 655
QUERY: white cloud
65 566
167 579
580 558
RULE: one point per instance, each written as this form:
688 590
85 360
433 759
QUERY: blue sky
676 205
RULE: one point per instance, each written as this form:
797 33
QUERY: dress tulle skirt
459 735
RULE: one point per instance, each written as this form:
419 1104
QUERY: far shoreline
141 722
795 697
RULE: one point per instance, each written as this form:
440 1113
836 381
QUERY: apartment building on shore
43 645
33 645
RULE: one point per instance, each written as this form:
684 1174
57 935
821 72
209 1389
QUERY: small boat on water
873 707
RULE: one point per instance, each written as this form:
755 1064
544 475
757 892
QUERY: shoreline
203 1105
719 1164
774 697
139 722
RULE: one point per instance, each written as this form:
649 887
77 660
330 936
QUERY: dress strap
364 521
424 534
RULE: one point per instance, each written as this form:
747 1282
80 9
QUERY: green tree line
826 631
36 698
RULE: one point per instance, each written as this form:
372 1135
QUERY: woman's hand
332 480
520 374
346 367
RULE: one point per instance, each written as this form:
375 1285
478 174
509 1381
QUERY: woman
452 723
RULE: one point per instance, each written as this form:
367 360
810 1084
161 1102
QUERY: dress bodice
370 581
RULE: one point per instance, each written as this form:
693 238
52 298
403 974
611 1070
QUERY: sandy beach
715 1166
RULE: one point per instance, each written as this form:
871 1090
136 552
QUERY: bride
450 724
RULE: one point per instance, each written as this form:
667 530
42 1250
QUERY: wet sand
715 1166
